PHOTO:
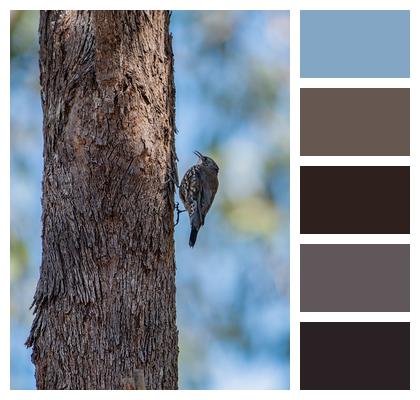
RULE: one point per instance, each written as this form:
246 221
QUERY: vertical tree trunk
105 301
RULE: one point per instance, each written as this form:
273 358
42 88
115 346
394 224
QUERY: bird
197 191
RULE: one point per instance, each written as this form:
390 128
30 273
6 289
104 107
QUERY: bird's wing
190 193
207 195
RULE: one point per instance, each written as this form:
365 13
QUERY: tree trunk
105 301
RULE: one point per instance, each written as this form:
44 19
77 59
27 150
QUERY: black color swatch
359 200
355 355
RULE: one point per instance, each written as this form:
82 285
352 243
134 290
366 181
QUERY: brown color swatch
354 200
355 122
355 277
355 355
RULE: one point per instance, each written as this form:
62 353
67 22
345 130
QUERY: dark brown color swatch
355 355
355 277
353 122
355 200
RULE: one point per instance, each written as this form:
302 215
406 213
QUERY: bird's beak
198 154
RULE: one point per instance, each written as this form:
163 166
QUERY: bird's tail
193 236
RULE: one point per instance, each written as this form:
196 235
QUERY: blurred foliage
23 25
253 215
232 80
19 258
25 167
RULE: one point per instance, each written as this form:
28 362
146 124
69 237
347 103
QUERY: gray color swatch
351 278
355 122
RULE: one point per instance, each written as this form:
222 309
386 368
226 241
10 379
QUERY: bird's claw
178 211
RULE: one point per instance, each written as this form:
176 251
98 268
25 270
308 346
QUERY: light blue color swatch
355 44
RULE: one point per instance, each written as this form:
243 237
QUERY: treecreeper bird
197 190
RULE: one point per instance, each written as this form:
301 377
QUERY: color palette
355 200
355 44
355 277
355 355
340 125
355 122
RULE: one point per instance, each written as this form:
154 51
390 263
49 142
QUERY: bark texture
105 301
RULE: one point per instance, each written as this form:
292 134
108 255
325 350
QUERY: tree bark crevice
105 301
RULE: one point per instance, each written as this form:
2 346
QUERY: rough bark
105 301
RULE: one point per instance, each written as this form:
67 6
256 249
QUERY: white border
355 160
354 82
355 239
294 198
5 201
217 5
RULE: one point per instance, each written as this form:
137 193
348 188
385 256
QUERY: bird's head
207 161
